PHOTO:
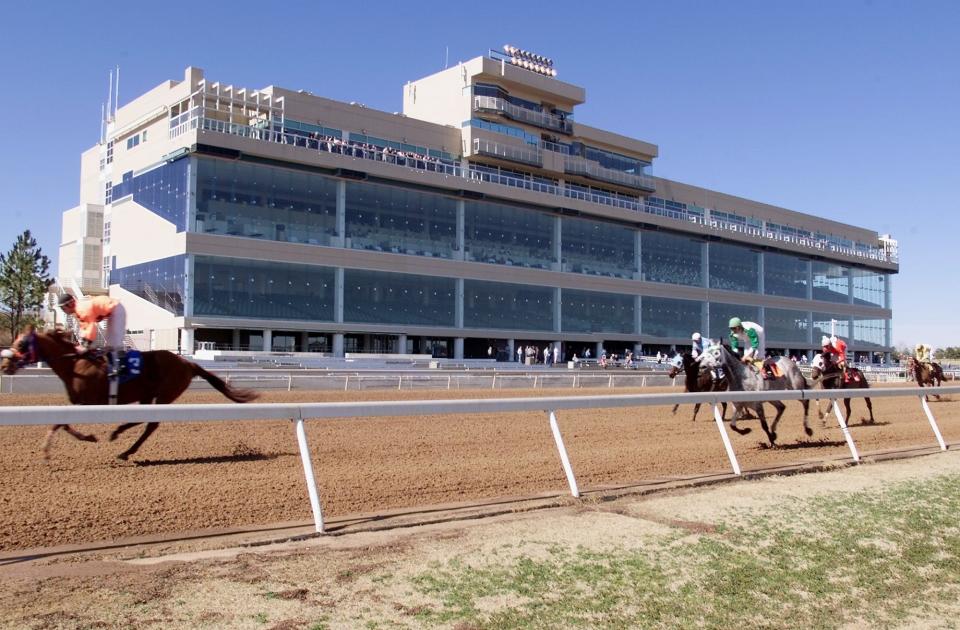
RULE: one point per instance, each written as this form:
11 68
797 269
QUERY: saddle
767 368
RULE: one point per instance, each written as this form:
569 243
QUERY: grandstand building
484 215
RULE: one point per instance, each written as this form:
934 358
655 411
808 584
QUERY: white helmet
696 337
825 341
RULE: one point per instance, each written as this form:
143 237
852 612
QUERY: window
143 136
133 141
110 152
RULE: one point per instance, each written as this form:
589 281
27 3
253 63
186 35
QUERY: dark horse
747 379
924 373
828 375
696 380
164 376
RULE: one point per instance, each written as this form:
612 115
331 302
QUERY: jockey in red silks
91 312
835 350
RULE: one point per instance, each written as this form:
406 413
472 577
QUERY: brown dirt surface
199 476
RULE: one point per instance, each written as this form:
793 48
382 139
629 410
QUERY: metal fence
299 413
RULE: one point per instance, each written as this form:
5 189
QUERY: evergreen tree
23 281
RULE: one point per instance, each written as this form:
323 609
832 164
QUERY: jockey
696 348
91 312
923 353
748 338
835 350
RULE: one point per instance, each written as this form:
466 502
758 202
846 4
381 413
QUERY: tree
23 281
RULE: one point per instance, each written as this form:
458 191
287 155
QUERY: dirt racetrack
212 475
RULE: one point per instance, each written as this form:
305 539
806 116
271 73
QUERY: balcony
532 157
521 114
592 170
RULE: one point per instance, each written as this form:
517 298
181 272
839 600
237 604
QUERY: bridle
27 352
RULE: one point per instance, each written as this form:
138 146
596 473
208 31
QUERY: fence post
933 423
346 382
643 382
846 430
610 382
400 382
289 382
563 456
726 439
308 473
494 384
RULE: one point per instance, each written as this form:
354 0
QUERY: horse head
22 352
711 357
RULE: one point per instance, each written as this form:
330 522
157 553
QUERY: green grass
870 558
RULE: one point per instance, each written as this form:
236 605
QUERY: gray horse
746 379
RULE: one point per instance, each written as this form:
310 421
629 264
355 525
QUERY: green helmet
735 322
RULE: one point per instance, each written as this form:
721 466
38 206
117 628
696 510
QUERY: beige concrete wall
138 235
614 142
440 98
142 315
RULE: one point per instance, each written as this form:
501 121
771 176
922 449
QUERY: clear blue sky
846 110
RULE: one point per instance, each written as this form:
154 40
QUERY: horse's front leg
696 408
83 437
675 407
772 431
870 408
150 428
123 427
806 417
737 407
48 440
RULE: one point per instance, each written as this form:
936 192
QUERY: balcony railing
586 168
507 152
522 114
495 176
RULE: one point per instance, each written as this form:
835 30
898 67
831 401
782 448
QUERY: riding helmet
735 322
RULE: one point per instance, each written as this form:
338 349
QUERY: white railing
422 163
507 152
299 413
586 168
521 114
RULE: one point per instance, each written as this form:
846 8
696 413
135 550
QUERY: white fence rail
300 412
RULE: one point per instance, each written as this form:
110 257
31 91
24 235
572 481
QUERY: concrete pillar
461 248
458 304
760 267
458 348
809 279
557 308
637 315
338 292
637 350
267 340
338 345
638 255
188 282
235 344
705 321
598 348
705 264
186 341
512 349
401 344
338 240
557 264
304 341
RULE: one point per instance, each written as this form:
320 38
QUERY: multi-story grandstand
484 215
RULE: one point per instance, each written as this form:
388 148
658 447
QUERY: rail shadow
803 444
215 459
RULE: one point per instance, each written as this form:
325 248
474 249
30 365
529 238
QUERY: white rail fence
298 413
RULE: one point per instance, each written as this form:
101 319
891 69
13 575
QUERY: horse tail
236 395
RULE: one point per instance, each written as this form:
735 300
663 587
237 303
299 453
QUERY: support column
557 308
598 347
188 286
760 266
638 315
705 264
186 341
267 340
339 239
235 343
458 304
401 344
458 348
705 320
809 279
557 245
638 255
338 345
304 341
461 246
512 349
338 295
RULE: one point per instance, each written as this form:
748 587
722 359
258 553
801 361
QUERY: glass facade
670 258
397 298
243 199
507 306
782 325
869 287
597 248
734 268
508 235
831 282
161 282
869 331
666 317
236 287
786 276
400 220
720 315
822 323
592 311
162 190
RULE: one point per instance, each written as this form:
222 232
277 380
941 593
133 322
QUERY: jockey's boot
113 368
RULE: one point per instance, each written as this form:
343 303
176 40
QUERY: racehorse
744 378
696 380
830 376
926 373
163 377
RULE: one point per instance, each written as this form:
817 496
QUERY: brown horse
696 380
163 377
924 373
829 376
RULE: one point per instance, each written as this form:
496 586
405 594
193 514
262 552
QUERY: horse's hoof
89 438
808 431
742 431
